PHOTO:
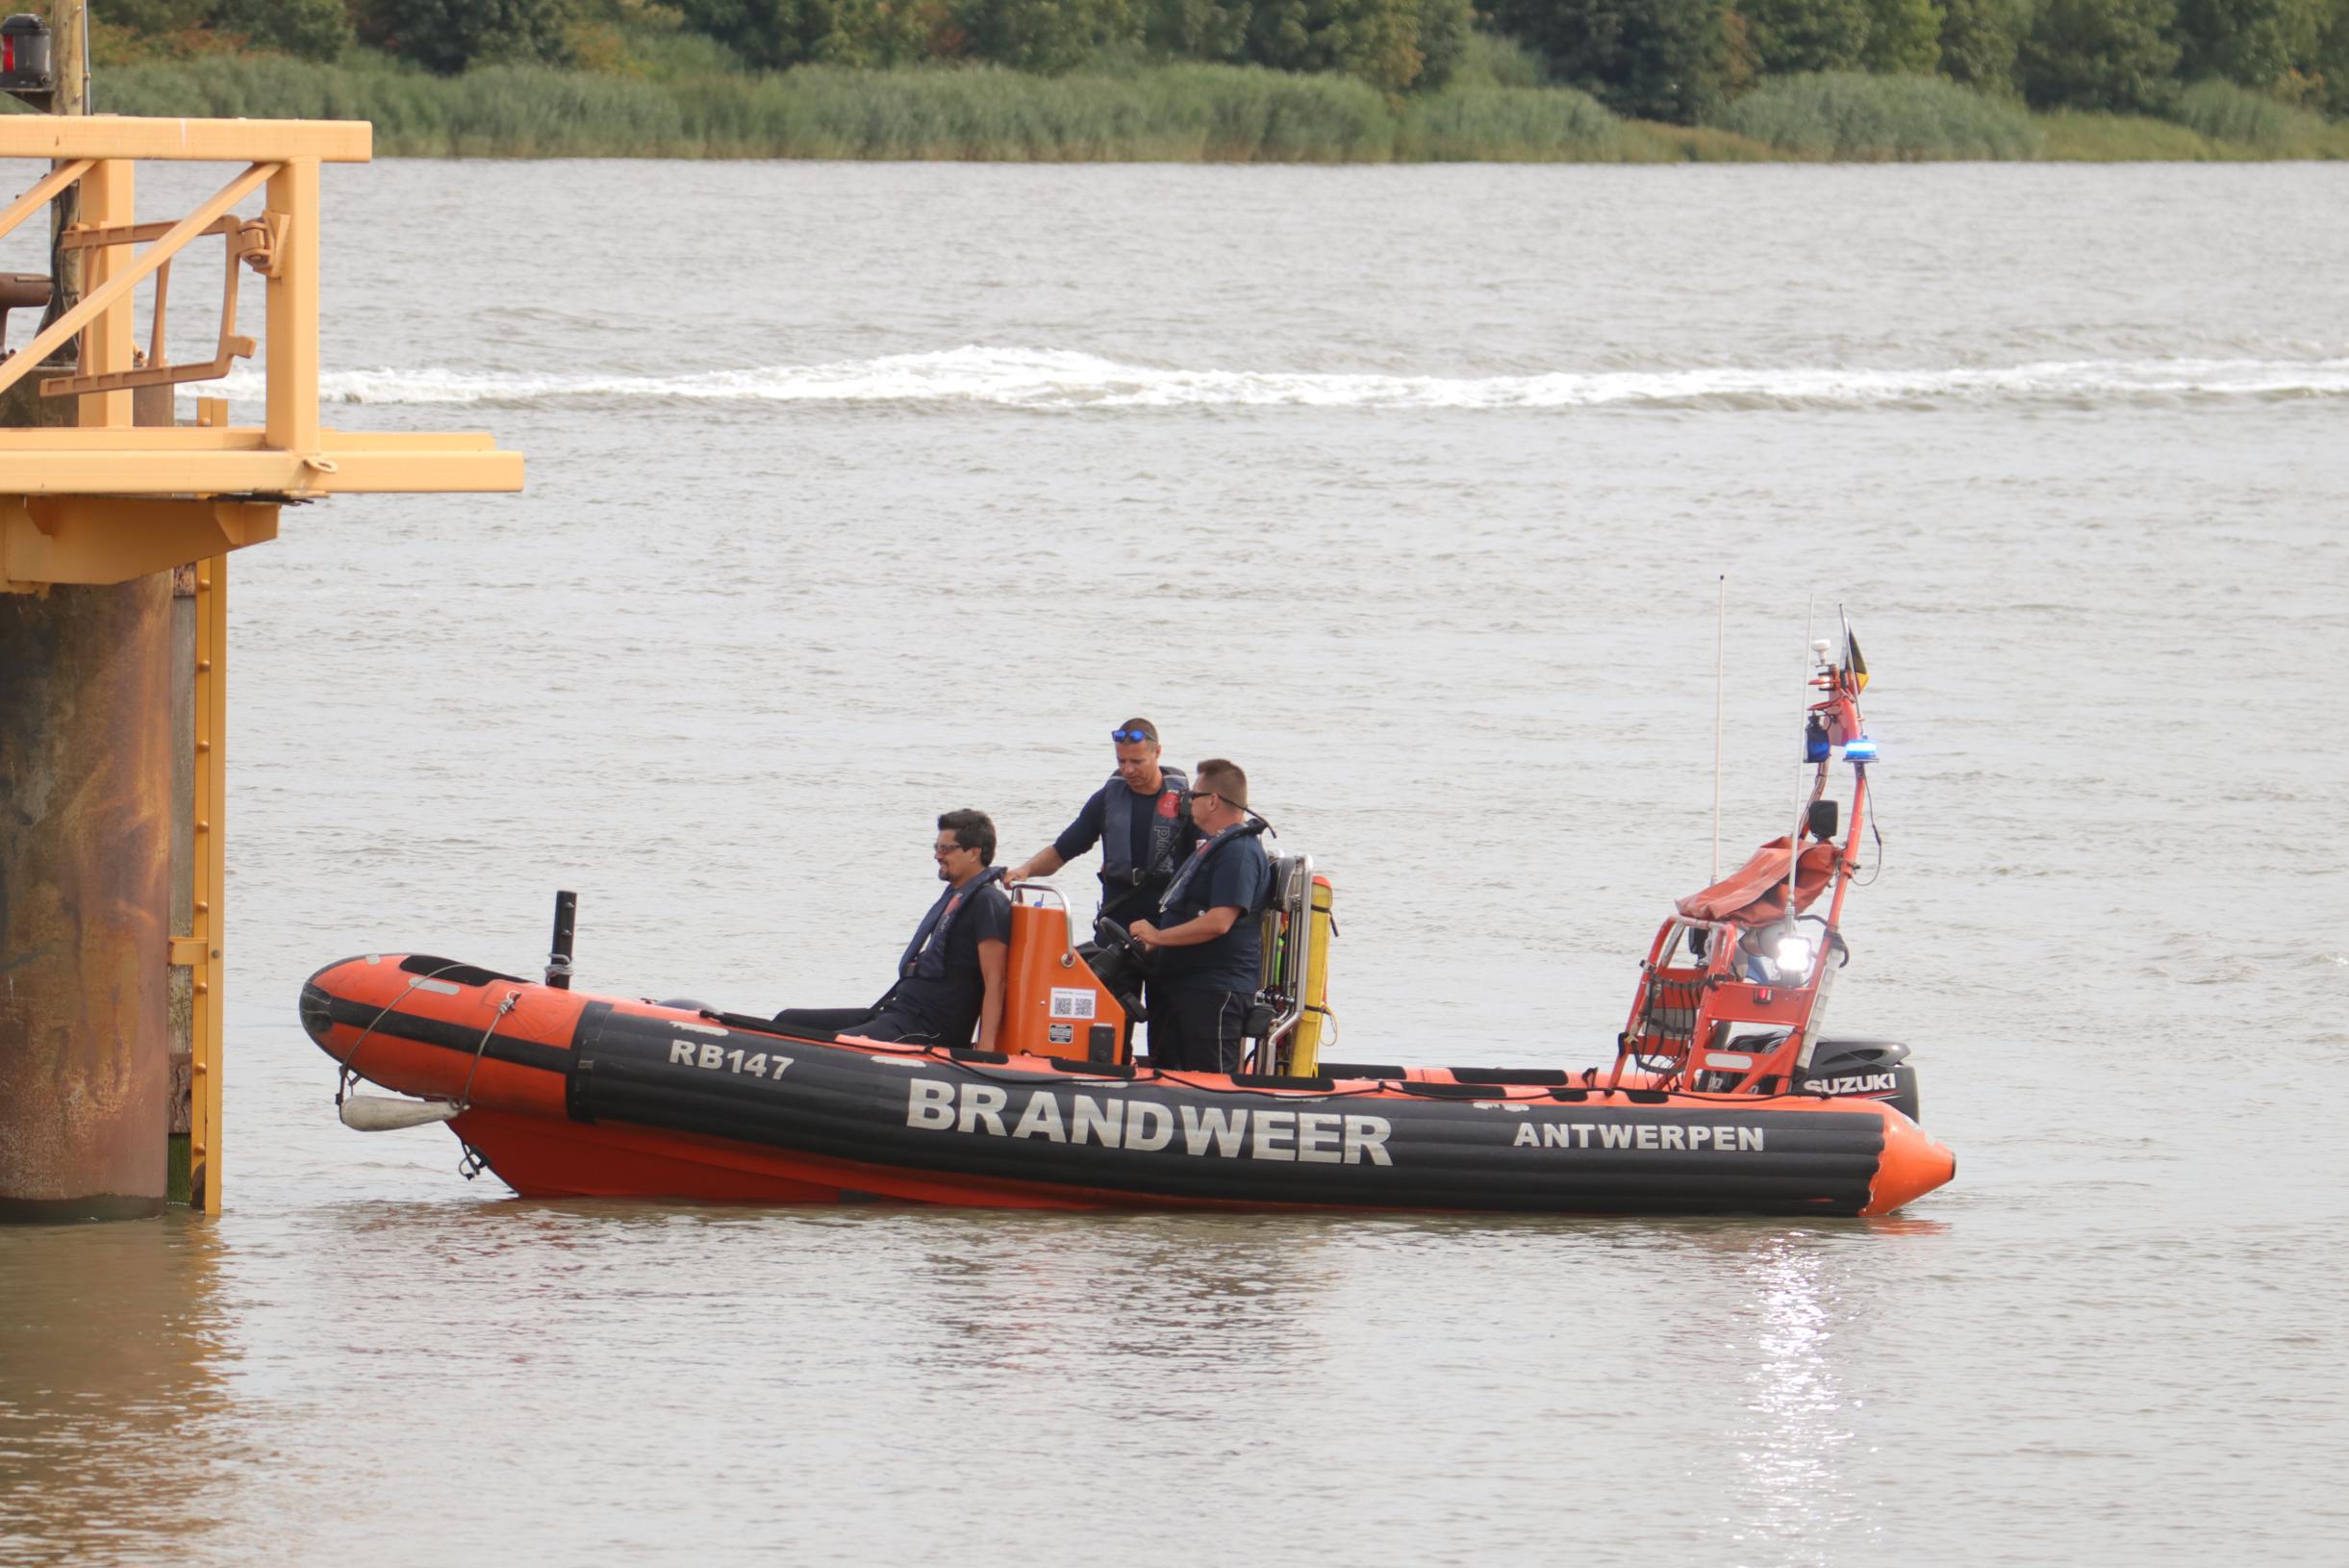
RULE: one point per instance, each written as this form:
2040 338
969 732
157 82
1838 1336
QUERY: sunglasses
1132 737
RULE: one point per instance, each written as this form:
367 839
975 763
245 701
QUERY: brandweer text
1312 1137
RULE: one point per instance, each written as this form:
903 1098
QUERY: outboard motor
1862 1069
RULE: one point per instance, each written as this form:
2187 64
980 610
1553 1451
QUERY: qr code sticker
1072 1002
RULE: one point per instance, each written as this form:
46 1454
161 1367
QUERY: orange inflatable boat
1721 1097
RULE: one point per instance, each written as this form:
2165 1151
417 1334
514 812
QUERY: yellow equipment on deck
1306 1045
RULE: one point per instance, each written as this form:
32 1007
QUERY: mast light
25 55
1793 956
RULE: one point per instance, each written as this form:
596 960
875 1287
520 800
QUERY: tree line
1679 60
1675 60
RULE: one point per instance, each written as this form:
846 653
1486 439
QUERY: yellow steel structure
200 948
104 501
87 530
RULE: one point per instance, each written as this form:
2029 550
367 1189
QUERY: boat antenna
1802 794
1721 616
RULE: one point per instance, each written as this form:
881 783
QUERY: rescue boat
1721 1097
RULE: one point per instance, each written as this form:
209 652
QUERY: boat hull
573 1094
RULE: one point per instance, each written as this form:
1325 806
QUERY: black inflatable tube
850 1105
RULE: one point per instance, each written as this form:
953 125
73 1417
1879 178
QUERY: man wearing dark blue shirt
1138 820
952 975
1208 942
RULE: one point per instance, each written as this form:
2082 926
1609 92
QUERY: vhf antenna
1721 621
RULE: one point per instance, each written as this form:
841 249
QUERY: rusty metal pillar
85 899
85 831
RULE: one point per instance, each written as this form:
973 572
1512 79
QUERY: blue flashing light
1860 748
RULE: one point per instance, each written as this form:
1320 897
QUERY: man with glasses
951 975
1208 943
1137 817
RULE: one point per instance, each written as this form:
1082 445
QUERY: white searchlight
1793 955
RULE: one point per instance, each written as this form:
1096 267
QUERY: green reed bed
1527 125
523 112
984 113
2235 118
1846 115
1186 112
1181 112
2113 138
1708 145
2085 136
1251 115
1190 112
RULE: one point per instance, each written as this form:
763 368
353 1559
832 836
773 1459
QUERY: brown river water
859 493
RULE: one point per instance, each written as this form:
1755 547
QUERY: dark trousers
1147 994
871 1023
1196 1032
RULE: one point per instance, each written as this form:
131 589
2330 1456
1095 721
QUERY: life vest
926 955
1118 868
1206 852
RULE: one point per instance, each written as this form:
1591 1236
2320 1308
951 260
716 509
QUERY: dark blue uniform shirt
950 1006
1239 875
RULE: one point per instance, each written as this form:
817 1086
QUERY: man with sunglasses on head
951 977
1137 817
1208 942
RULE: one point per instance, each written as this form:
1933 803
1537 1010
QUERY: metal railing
289 454
1288 948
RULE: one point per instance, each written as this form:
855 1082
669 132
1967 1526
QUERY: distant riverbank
1182 113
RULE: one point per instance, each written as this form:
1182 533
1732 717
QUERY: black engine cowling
1862 1069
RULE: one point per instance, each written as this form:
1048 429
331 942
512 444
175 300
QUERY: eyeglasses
1132 737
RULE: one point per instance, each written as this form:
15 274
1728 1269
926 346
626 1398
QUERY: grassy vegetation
2080 137
1494 111
1525 125
1710 144
1188 113
2111 138
2236 118
1846 115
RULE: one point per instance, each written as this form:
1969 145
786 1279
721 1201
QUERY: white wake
1027 378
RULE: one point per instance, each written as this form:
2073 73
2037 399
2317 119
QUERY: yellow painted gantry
104 501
